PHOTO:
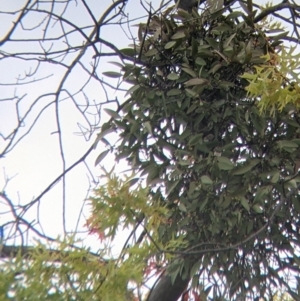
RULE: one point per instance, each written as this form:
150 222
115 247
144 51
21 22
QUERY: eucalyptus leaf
285 144
170 44
195 139
196 81
151 52
206 180
112 74
245 203
172 187
112 113
172 76
246 167
132 89
257 209
178 35
101 157
148 127
174 92
200 61
190 72
128 51
182 207
224 163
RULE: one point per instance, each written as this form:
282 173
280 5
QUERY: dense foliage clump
225 168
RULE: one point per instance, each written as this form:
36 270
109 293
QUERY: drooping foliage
222 160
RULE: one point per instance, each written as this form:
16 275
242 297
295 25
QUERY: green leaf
228 41
174 92
192 188
257 209
196 81
112 113
245 203
178 35
213 43
151 52
200 61
195 268
170 44
153 173
101 157
203 204
203 148
245 168
148 127
172 187
184 162
128 51
195 139
234 15
112 74
275 177
206 180
215 68
132 181
276 30
117 64
132 89
227 202
172 76
296 203
192 108
182 207
174 273
224 163
103 133
226 85
245 8
190 72
283 144
191 93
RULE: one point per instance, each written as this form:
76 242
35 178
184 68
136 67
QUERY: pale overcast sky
35 162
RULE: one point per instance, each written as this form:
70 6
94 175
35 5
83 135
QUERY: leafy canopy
211 123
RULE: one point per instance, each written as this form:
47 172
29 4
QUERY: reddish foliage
196 296
94 230
185 296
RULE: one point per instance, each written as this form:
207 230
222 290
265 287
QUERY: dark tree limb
11 251
165 290
187 4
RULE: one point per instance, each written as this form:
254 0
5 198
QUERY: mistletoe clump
226 170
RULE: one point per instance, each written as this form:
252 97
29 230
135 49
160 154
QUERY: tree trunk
164 290
187 4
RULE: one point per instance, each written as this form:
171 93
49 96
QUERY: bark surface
187 4
164 290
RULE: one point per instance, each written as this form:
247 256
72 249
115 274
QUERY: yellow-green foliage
68 274
276 82
282 297
53 273
118 204
62 272
124 203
